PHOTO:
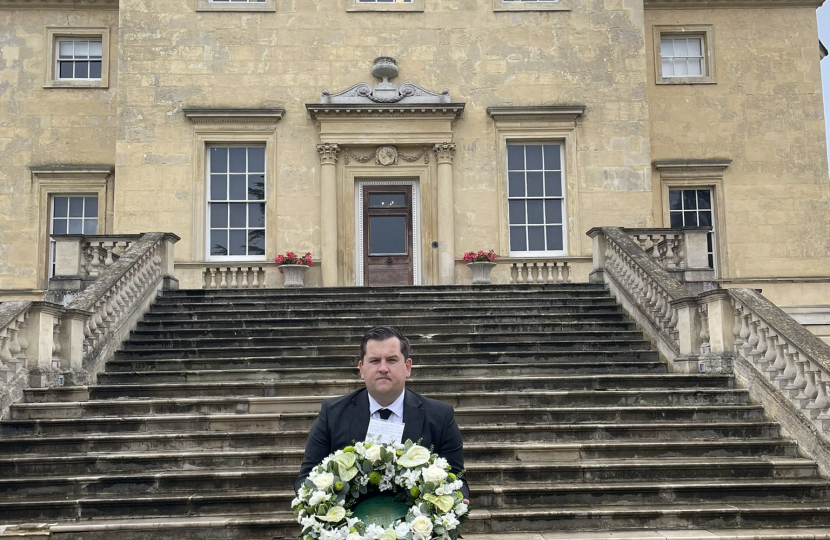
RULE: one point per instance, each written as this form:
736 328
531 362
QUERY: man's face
384 370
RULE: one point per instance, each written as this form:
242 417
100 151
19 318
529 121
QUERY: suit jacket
344 420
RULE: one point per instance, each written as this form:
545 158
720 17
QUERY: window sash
83 57
682 56
236 201
688 207
536 205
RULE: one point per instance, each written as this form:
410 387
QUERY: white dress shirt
396 407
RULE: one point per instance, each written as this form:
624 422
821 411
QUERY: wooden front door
387 235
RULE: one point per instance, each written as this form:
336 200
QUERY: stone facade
589 70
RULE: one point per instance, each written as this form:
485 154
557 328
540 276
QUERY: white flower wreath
422 480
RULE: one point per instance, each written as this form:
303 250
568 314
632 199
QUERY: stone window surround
53 34
699 174
539 124
207 5
55 180
704 31
558 5
233 127
354 5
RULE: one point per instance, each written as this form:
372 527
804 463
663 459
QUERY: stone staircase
573 428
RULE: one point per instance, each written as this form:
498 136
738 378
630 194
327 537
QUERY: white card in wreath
384 431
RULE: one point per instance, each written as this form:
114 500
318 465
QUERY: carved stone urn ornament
385 68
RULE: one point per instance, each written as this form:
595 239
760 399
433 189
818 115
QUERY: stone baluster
705 346
770 355
7 370
780 364
790 373
800 382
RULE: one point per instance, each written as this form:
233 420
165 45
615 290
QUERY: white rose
354 536
435 474
422 526
461 509
317 498
323 480
373 453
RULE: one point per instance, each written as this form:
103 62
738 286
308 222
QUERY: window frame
207 202
54 35
211 5
355 6
534 124
714 232
704 31
555 5
565 230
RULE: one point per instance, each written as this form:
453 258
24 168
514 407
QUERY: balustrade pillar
328 212
444 153
687 326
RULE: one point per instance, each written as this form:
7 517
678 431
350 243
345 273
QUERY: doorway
388 234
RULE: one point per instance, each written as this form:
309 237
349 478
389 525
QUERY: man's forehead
390 346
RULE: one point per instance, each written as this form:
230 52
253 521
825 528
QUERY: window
683 55
236 5
71 214
694 208
384 5
536 199
531 5
77 57
236 202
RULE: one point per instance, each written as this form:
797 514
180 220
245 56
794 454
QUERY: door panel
387 241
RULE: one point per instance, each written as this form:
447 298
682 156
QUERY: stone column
444 153
328 212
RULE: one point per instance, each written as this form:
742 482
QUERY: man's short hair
382 333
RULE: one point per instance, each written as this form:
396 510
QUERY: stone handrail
528 271
120 296
641 283
47 344
783 352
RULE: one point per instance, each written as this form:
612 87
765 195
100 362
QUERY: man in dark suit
384 367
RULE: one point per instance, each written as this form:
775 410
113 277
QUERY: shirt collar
396 406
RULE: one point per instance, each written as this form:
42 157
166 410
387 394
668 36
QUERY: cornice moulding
691 168
698 4
57 171
203 116
555 113
318 110
59 4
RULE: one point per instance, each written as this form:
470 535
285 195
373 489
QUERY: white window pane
65 49
695 67
681 48
680 68
694 47
81 49
668 68
95 49
76 226
666 48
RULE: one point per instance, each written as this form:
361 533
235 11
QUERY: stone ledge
317 110
67 4
560 113
755 4
202 115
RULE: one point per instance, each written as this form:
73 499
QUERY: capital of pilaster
328 153
444 152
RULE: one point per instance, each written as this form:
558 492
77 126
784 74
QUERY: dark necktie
384 414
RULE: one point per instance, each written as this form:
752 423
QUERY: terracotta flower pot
481 272
294 275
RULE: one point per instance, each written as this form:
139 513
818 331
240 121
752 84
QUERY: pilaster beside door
387 236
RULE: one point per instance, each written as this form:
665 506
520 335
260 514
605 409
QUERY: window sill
353 6
77 84
206 5
561 5
676 81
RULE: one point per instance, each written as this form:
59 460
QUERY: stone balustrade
44 343
538 271
85 257
233 277
682 252
737 331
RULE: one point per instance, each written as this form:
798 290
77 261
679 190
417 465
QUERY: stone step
241 320
125 451
478 412
144 385
357 331
492 497
252 369
416 294
434 290
382 305
264 475
782 533
418 341
458 363
532 425
570 308
235 404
